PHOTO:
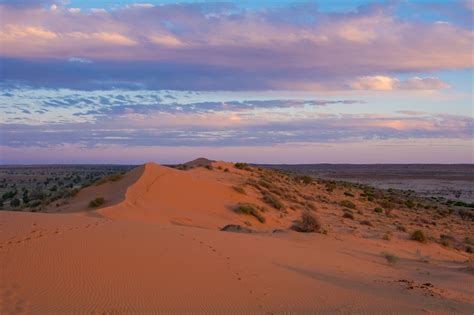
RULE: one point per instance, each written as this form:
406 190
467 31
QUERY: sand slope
160 251
199 198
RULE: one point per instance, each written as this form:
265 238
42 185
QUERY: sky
101 81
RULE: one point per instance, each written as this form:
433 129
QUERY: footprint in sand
12 303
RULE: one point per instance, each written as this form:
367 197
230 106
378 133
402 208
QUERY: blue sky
260 81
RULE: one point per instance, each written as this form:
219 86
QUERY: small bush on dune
241 166
391 258
418 236
308 223
110 178
305 179
97 202
348 215
250 209
239 189
378 210
348 194
366 222
272 201
348 204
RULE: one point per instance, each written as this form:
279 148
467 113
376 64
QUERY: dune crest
196 197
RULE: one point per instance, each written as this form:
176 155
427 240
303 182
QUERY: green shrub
348 204
15 203
305 179
272 201
366 222
308 223
110 178
401 228
391 258
250 209
239 189
97 202
348 194
418 236
241 166
330 186
378 210
409 204
348 215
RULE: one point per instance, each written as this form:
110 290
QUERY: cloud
13 33
165 40
79 60
221 47
212 130
386 83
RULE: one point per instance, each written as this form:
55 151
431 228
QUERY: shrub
418 236
391 258
15 203
330 186
97 202
409 204
305 179
348 194
239 189
308 223
378 210
366 222
401 228
348 204
209 167
272 201
467 215
250 209
241 166
226 170
348 215
110 178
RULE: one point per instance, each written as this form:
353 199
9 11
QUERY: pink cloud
374 41
387 83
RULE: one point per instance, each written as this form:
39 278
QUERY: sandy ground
159 250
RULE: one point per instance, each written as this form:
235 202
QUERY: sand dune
156 248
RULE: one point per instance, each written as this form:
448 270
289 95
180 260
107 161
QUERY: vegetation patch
242 166
250 209
272 201
110 178
348 215
378 210
308 223
97 202
347 204
348 194
239 189
418 236
391 258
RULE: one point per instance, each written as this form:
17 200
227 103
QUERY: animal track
37 233
238 276
11 302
